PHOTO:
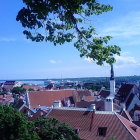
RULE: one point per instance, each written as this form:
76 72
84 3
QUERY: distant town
113 101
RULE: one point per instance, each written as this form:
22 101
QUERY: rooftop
92 123
46 98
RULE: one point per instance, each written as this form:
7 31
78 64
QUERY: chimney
57 104
93 107
109 103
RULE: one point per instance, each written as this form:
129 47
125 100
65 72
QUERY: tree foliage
94 87
14 126
18 90
52 129
3 93
61 21
30 89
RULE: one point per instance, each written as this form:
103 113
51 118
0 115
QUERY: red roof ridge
83 109
130 119
49 112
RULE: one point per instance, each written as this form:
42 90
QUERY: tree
94 87
14 126
61 21
30 89
18 90
3 93
52 129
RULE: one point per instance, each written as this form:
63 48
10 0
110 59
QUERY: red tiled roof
104 93
126 115
34 87
98 104
46 98
6 98
83 120
89 98
8 87
83 104
124 91
81 93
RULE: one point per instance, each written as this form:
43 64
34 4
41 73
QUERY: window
137 117
102 131
108 100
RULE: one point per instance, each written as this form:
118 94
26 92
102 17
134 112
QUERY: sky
24 59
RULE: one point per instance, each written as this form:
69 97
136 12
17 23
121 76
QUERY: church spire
112 73
112 81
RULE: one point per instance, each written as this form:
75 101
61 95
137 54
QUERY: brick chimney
92 108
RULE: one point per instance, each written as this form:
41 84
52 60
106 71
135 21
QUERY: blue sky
21 58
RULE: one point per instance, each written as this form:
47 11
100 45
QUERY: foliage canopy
14 126
18 90
52 129
61 21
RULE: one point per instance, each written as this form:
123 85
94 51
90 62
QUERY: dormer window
102 131
137 115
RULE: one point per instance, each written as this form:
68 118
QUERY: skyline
23 59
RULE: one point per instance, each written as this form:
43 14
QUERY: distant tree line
95 86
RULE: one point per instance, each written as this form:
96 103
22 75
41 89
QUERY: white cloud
90 60
121 61
126 61
54 61
127 26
